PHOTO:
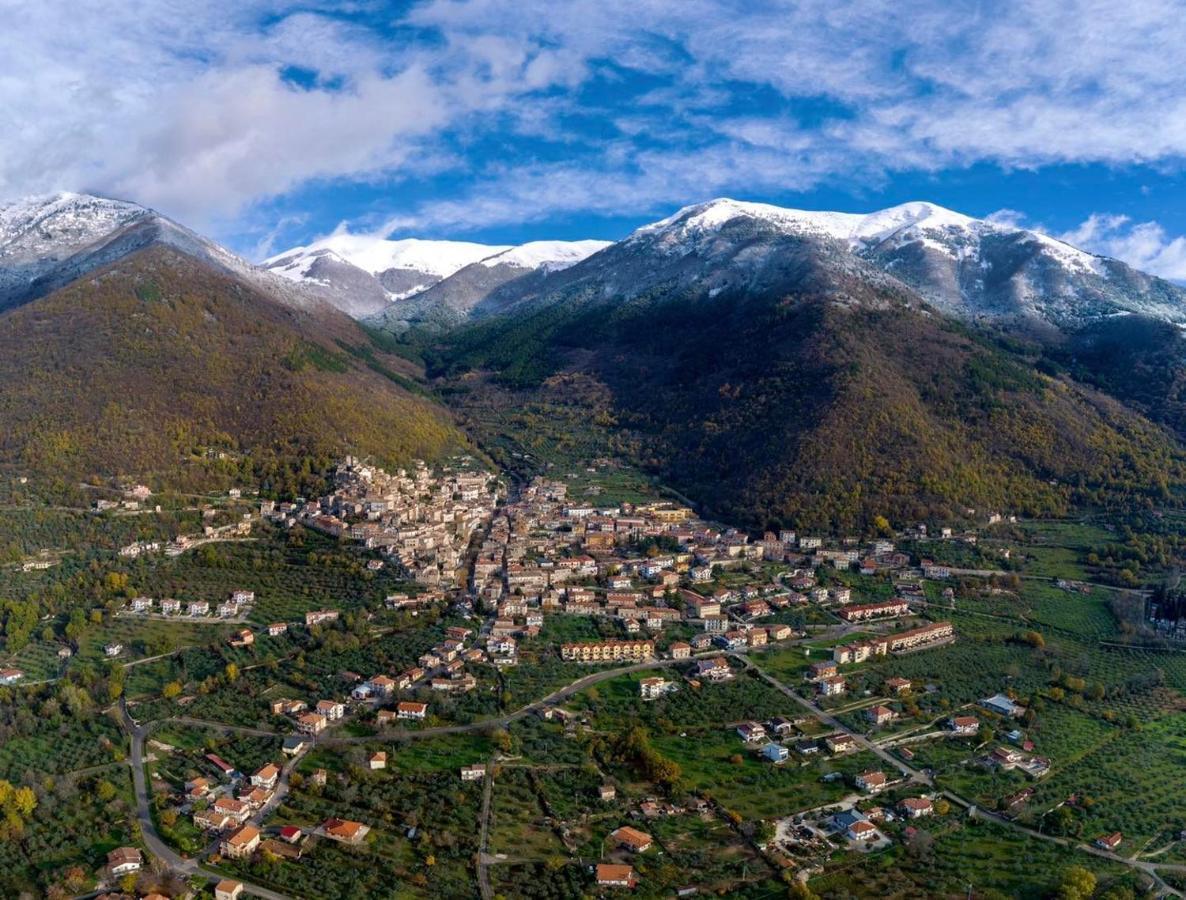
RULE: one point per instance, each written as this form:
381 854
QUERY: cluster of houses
825 674
240 528
229 806
861 828
420 520
440 669
226 805
776 739
237 605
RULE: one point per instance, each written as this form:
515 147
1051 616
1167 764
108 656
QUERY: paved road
832 722
568 690
159 848
483 863
1150 869
148 832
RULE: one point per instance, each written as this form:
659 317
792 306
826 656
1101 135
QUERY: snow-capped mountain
364 273
550 256
509 274
49 241
973 269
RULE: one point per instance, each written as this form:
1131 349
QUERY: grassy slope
133 370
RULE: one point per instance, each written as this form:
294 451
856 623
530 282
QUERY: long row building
912 639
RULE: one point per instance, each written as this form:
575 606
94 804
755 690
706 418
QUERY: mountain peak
378 254
550 255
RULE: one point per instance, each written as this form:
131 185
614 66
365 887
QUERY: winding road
916 776
148 832
188 866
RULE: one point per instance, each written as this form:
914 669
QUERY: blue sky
267 123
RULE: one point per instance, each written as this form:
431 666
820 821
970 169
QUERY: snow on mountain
507 275
932 225
966 267
48 241
37 233
552 256
410 265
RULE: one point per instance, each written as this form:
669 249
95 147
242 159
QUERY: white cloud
183 105
1143 245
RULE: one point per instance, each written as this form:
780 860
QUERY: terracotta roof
632 837
608 872
243 836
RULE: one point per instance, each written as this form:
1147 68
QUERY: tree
920 845
24 801
171 690
1077 883
232 672
105 791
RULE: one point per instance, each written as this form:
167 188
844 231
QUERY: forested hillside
828 402
162 368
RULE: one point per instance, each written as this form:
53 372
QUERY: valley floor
519 785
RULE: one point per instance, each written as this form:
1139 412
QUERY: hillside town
419 521
798 657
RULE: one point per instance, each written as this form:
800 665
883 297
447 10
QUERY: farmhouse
631 838
11 676
123 860
871 781
1109 841
410 709
916 807
714 669
241 843
320 617
611 875
963 724
344 831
